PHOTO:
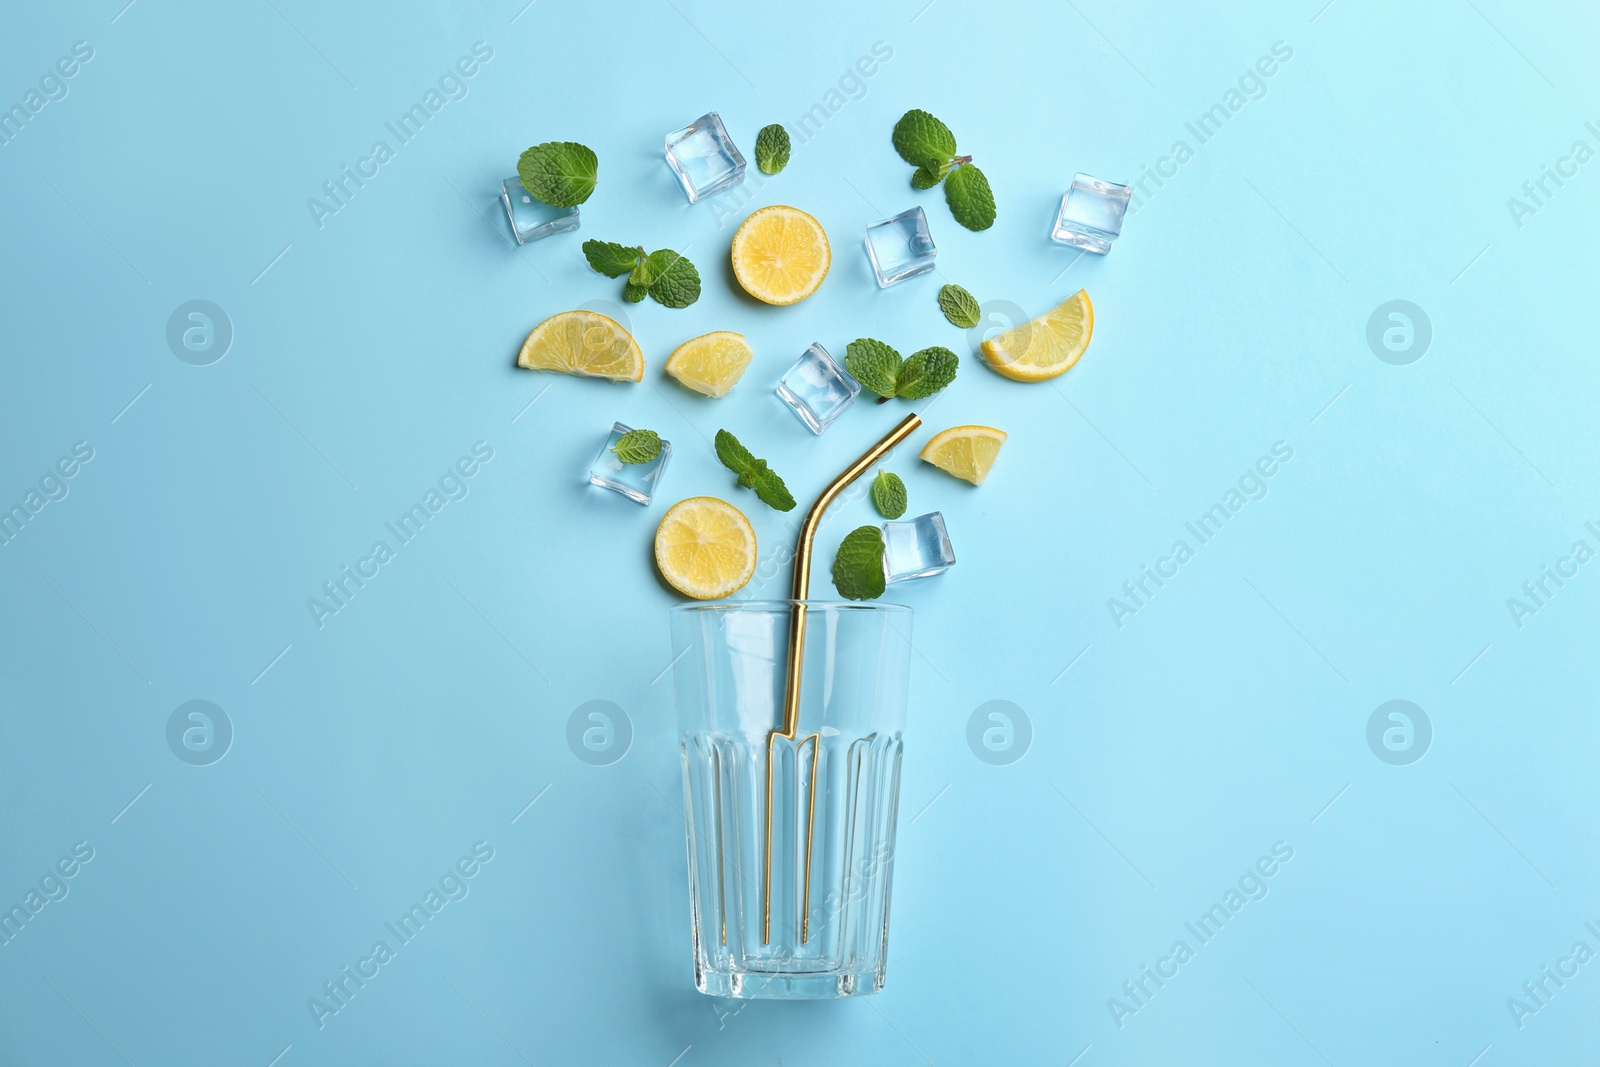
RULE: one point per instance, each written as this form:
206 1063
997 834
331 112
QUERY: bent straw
802 563
791 688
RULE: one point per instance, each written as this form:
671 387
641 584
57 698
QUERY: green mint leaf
733 455
561 173
889 495
970 198
638 446
748 478
772 148
753 473
959 306
874 364
858 565
639 280
609 258
919 137
926 372
675 282
928 175
771 490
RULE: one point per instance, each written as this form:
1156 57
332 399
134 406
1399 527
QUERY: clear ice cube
916 548
817 389
636 481
532 219
1091 213
900 247
704 158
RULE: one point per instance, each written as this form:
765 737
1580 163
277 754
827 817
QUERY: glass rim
773 606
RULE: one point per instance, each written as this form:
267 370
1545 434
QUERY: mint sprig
772 148
889 495
959 306
637 446
880 369
927 144
858 565
560 173
753 473
663 274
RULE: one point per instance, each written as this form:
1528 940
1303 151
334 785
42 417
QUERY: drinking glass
790 834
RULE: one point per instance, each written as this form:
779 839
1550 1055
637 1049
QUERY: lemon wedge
967 452
711 363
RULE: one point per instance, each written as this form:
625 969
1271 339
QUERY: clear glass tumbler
791 835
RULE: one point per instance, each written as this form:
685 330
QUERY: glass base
821 985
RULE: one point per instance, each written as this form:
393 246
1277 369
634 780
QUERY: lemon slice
1045 346
965 451
710 363
705 548
780 254
584 343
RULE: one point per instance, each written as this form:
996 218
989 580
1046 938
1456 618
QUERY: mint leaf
772 148
926 372
733 455
919 137
971 201
748 479
959 306
609 258
929 174
889 495
639 280
674 280
561 173
770 488
880 369
874 364
858 565
638 446
753 473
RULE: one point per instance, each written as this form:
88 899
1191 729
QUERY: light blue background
1228 714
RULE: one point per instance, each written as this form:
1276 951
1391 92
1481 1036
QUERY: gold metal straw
791 687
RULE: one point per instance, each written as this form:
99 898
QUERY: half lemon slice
583 343
1045 346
